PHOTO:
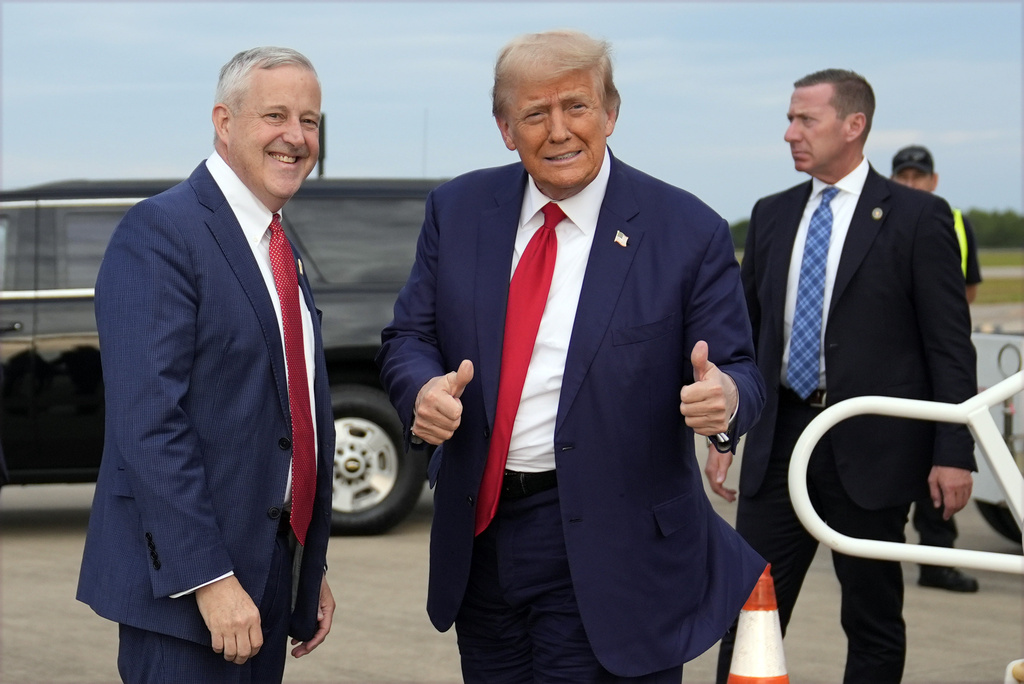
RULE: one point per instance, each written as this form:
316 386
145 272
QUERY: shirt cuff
193 589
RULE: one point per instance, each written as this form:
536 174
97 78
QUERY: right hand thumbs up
438 409
459 379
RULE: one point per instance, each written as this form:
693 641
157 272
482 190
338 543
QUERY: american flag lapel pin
621 238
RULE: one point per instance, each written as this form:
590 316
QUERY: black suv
358 238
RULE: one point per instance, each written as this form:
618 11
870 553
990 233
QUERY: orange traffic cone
757 656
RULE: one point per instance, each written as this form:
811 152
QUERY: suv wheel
376 482
999 517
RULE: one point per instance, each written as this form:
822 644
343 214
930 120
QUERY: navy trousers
146 657
871 590
519 622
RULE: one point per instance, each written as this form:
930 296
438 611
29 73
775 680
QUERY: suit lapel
864 226
229 236
603 280
496 238
781 251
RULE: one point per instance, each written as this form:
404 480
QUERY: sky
125 89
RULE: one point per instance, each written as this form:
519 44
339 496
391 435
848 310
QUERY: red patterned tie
527 295
282 260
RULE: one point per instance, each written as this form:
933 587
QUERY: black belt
815 399
516 485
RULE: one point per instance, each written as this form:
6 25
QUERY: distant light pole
323 146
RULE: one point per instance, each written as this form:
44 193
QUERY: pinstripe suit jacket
197 451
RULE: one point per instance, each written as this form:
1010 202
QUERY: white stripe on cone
758 649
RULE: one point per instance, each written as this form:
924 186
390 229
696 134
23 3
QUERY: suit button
156 565
274 512
487 432
285 443
469 500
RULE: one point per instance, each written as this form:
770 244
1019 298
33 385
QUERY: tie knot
275 224
828 194
553 215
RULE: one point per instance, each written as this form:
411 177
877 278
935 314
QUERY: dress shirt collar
582 209
250 212
852 182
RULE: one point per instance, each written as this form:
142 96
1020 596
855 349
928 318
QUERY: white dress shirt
255 221
843 204
532 446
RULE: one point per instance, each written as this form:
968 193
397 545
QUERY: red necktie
527 295
282 260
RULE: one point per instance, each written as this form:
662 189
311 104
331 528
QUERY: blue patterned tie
805 338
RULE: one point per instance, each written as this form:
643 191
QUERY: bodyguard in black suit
894 322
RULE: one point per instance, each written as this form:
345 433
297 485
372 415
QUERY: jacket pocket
641 333
675 514
119 484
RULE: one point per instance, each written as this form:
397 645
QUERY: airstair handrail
976 415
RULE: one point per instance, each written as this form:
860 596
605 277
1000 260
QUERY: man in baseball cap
913 166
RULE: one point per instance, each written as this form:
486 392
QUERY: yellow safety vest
961 237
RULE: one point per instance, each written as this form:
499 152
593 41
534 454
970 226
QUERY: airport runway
381 633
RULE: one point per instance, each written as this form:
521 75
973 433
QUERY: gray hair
852 93
234 76
553 54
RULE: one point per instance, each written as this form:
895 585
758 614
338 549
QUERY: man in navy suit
603 560
892 320
194 546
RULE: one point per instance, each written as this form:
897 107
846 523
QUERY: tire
998 516
376 482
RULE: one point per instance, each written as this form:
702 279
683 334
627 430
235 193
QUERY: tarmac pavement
381 634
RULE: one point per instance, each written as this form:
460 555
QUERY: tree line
992 229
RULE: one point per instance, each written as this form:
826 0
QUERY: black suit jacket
898 325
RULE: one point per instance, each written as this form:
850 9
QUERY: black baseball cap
913 157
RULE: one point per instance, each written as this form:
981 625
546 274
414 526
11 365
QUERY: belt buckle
817 398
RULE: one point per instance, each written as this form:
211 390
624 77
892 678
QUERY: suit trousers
146 657
519 622
871 590
933 529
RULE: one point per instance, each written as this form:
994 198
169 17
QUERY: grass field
1001 257
1000 290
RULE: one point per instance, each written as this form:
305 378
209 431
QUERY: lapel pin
876 213
621 239
300 266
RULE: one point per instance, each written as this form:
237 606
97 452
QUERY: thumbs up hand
710 401
438 409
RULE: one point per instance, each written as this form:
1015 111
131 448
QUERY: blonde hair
552 54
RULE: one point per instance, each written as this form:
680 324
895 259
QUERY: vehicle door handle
12 327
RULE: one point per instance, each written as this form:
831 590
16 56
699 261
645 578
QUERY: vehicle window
83 237
359 240
17 262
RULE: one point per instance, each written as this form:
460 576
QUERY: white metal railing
976 415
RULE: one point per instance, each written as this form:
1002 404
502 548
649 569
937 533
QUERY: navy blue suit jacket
197 446
658 575
898 325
